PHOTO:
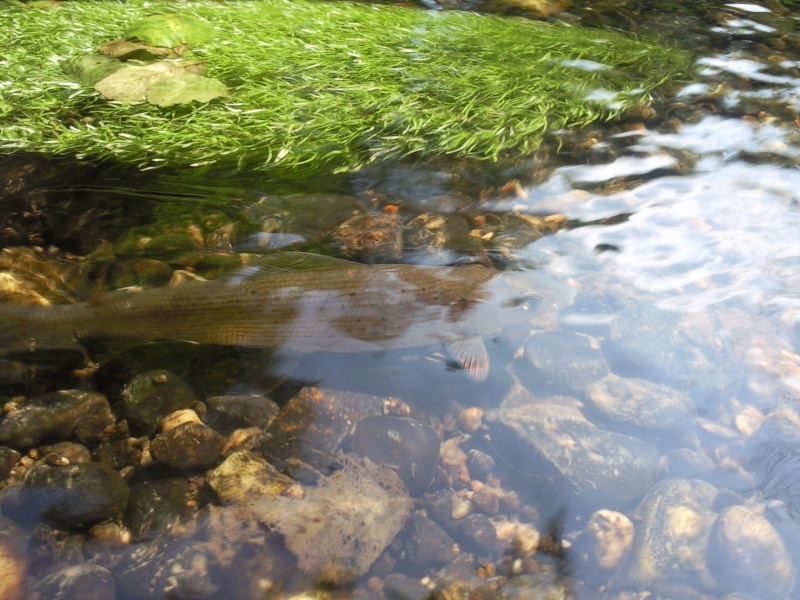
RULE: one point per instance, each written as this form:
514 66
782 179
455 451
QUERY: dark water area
612 413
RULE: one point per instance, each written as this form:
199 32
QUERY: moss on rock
323 86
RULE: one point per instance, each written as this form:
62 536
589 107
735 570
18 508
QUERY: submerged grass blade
323 86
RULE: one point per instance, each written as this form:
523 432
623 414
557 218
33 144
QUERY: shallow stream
634 434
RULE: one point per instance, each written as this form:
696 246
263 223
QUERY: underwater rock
605 540
149 397
13 561
57 416
773 456
169 567
190 446
8 458
402 587
409 446
477 534
479 464
669 346
370 238
746 554
426 545
245 477
434 232
310 428
640 404
562 359
76 495
227 413
671 541
305 216
157 505
590 467
343 524
78 581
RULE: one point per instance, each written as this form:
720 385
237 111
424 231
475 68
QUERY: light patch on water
753 8
729 137
622 167
744 68
584 65
729 232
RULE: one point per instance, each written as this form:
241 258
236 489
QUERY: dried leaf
130 83
350 517
185 88
170 30
122 48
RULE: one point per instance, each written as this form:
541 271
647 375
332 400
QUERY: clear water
702 226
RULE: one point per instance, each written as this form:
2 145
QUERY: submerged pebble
227 413
409 446
583 465
149 397
78 581
310 428
189 446
75 495
426 544
245 477
158 505
746 554
641 405
676 516
56 416
562 359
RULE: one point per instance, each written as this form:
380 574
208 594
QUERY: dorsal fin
287 262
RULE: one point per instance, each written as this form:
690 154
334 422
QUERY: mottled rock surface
550 438
671 541
746 554
78 581
76 495
407 445
56 416
149 397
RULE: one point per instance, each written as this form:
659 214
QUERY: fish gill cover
296 87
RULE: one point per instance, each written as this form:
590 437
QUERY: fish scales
340 307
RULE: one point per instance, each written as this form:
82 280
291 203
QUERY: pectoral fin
471 355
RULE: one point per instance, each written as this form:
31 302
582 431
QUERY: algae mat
318 86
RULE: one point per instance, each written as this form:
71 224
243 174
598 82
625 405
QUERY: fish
305 303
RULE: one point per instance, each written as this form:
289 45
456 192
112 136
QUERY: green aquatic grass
322 86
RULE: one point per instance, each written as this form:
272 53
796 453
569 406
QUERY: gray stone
57 416
190 446
553 442
746 554
226 413
74 583
149 397
157 505
426 544
675 521
562 359
638 404
76 495
407 445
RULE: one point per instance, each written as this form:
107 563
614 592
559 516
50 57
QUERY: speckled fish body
340 307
